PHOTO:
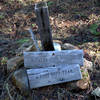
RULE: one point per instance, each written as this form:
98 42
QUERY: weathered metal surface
53 75
52 58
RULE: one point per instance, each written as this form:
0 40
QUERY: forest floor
76 22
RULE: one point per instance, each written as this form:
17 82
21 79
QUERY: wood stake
41 10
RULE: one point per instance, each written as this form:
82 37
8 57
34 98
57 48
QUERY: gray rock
96 92
57 46
68 46
21 50
14 63
27 46
88 64
20 80
57 41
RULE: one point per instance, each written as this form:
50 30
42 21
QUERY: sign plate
52 58
53 75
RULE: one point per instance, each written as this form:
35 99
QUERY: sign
53 67
53 75
44 59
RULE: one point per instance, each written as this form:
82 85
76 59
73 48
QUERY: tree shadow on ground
81 37
78 11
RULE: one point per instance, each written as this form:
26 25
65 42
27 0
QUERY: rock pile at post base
75 85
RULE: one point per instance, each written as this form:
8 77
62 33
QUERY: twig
11 98
7 81
34 39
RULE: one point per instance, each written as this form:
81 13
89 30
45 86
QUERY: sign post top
41 5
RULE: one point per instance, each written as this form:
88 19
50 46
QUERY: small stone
57 41
14 63
25 47
88 65
68 46
96 92
20 80
57 46
31 48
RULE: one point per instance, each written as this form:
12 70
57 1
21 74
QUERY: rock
14 63
20 80
68 46
30 48
57 46
27 46
57 41
96 92
80 84
88 65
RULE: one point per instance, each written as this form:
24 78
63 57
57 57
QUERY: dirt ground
70 22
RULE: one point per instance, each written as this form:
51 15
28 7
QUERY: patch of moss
85 75
4 60
93 29
95 84
1 16
49 3
21 41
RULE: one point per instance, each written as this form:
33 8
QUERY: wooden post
41 10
